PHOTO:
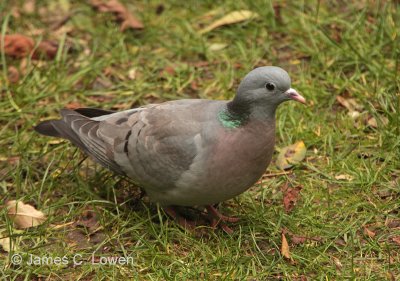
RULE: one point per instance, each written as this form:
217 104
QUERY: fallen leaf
5 244
127 19
396 240
46 49
12 160
385 193
13 74
369 233
390 275
285 251
101 83
290 155
290 196
298 239
340 242
354 114
373 123
132 73
392 223
349 103
24 215
231 18
344 177
217 46
19 46
168 70
337 262
194 85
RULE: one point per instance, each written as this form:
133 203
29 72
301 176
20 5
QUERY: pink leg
218 216
219 219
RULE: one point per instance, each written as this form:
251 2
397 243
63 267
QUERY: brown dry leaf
337 262
290 196
285 251
340 242
231 18
13 74
374 124
24 215
369 233
46 49
19 46
349 103
298 239
168 70
396 240
127 19
395 223
390 275
12 160
290 155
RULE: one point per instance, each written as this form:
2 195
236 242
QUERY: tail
78 127
62 129
59 129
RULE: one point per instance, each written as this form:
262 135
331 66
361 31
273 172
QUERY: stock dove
191 152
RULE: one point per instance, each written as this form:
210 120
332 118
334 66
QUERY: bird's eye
270 86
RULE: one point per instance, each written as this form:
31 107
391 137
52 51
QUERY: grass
349 49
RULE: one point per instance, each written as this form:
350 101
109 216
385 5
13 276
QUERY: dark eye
270 86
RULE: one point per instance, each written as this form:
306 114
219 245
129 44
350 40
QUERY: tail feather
93 112
47 128
78 127
59 129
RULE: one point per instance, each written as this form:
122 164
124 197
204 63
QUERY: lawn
343 56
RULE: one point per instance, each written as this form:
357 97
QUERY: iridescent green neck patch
229 120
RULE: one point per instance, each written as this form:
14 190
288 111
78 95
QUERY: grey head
261 91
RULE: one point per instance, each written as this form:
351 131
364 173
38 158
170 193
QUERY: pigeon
189 152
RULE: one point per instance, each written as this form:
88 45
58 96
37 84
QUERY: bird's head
263 89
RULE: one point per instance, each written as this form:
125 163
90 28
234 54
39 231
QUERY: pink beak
294 95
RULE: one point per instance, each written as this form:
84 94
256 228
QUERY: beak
294 95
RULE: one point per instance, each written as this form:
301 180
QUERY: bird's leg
219 219
171 211
213 212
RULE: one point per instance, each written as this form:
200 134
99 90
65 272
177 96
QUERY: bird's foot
213 212
182 221
218 219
